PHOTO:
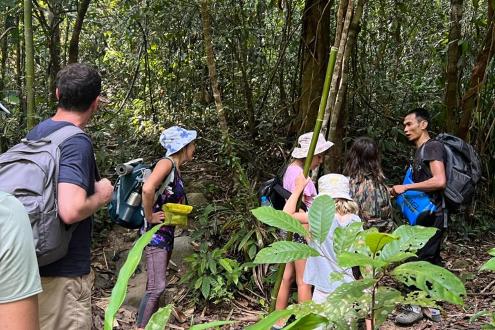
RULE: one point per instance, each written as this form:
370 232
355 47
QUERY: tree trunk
210 58
76 32
54 48
315 46
470 98
28 36
452 73
19 59
336 127
342 31
224 128
4 49
242 58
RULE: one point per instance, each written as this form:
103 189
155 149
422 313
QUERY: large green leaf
307 322
376 241
279 219
321 215
270 320
213 324
385 301
348 259
119 291
489 265
492 252
411 239
438 282
160 318
283 252
344 237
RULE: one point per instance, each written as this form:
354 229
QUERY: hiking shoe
409 315
433 314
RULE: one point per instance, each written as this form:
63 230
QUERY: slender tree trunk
19 59
452 73
28 36
337 115
224 128
76 32
315 44
242 58
54 48
470 98
4 50
342 30
210 58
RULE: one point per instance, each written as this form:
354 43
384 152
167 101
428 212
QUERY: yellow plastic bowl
176 214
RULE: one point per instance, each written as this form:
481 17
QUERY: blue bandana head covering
175 138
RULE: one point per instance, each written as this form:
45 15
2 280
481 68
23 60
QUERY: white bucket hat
304 141
334 185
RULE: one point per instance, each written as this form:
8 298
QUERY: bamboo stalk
28 35
309 158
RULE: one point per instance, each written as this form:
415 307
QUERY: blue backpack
414 203
125 208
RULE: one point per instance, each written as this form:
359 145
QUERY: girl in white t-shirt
318 269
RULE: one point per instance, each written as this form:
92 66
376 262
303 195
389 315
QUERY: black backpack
273 190
462 169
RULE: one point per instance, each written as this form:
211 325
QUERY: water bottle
133 201
265 201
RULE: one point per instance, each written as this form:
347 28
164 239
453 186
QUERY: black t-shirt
431 150
77 166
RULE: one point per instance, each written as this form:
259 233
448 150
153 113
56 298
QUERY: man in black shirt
429 176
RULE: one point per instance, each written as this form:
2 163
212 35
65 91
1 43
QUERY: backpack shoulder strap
168 179
57 137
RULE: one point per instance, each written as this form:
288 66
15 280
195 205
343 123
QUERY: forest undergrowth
224 229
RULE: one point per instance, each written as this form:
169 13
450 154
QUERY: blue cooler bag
414 203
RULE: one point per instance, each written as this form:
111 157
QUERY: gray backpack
29 171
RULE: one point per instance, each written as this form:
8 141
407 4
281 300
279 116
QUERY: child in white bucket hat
295 270
179 145
318 269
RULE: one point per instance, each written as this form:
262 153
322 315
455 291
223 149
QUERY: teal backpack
125 208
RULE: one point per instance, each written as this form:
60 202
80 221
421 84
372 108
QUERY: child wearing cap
179 148
295 270
318 269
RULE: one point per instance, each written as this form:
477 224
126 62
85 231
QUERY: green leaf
212 265
308 322
344 237
279 219
385 301
492 252
160 318
283 252
225 263
270 320
411 239
438 282
420 298
348 260
321 215
205 287
489 265
119 291
376 241
209 325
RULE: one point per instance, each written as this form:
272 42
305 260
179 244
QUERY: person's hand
398 189
156 218
301 182
104 189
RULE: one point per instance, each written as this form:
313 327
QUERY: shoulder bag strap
168 179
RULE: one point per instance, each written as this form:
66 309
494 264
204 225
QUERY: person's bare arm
20 315
438 180
291 204
74 204
153 182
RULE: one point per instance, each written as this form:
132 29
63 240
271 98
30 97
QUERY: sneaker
433 314
409 315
